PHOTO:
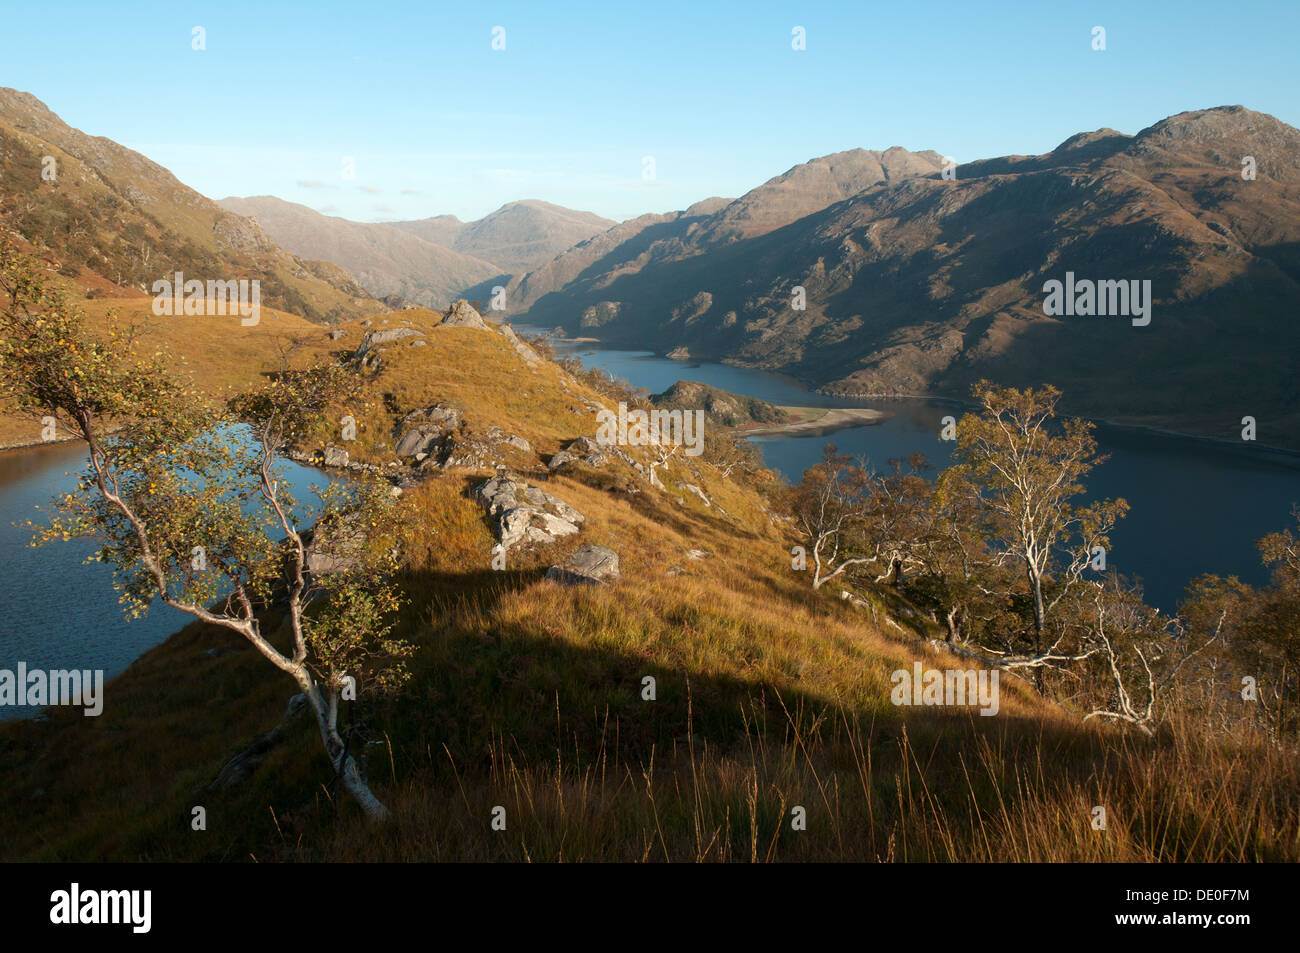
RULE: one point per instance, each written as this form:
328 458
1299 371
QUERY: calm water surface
1195 506
61 612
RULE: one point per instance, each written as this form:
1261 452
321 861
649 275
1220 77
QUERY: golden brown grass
220 356
528 695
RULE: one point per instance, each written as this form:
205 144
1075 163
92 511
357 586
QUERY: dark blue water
1195 506
59 611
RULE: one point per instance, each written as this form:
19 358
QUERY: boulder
561 459
333 549
417 441
588 565
422 430
497 435
462 315
334 457
527 524
373 339
583 450
485 450
526 514
448 418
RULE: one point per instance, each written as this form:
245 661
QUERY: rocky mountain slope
576 281
429 261
723 408
117 222
920 285
383 259
517 237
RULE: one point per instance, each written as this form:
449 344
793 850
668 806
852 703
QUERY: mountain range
115 221
919 283
428 261
861 273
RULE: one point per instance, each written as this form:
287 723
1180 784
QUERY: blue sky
437 121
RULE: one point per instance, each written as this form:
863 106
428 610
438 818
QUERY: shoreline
1278 453
36 444
816 421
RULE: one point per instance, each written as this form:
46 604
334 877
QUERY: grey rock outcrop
525 513
523 350
417 442
583 450
499 436
374 339
561 460
462 315
484 450
334 548
421 431
587 565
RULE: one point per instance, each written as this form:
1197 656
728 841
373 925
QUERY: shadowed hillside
920 284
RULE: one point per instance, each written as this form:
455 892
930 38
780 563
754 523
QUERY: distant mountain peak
1223 135
517 237
1218 123
1081 140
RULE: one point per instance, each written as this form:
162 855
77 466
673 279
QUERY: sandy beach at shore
814 421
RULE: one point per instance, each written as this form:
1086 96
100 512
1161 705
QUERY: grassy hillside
116 222
221 356
528 695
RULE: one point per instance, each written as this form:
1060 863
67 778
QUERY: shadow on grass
505 708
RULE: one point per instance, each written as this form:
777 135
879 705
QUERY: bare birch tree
830 506
1027 471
